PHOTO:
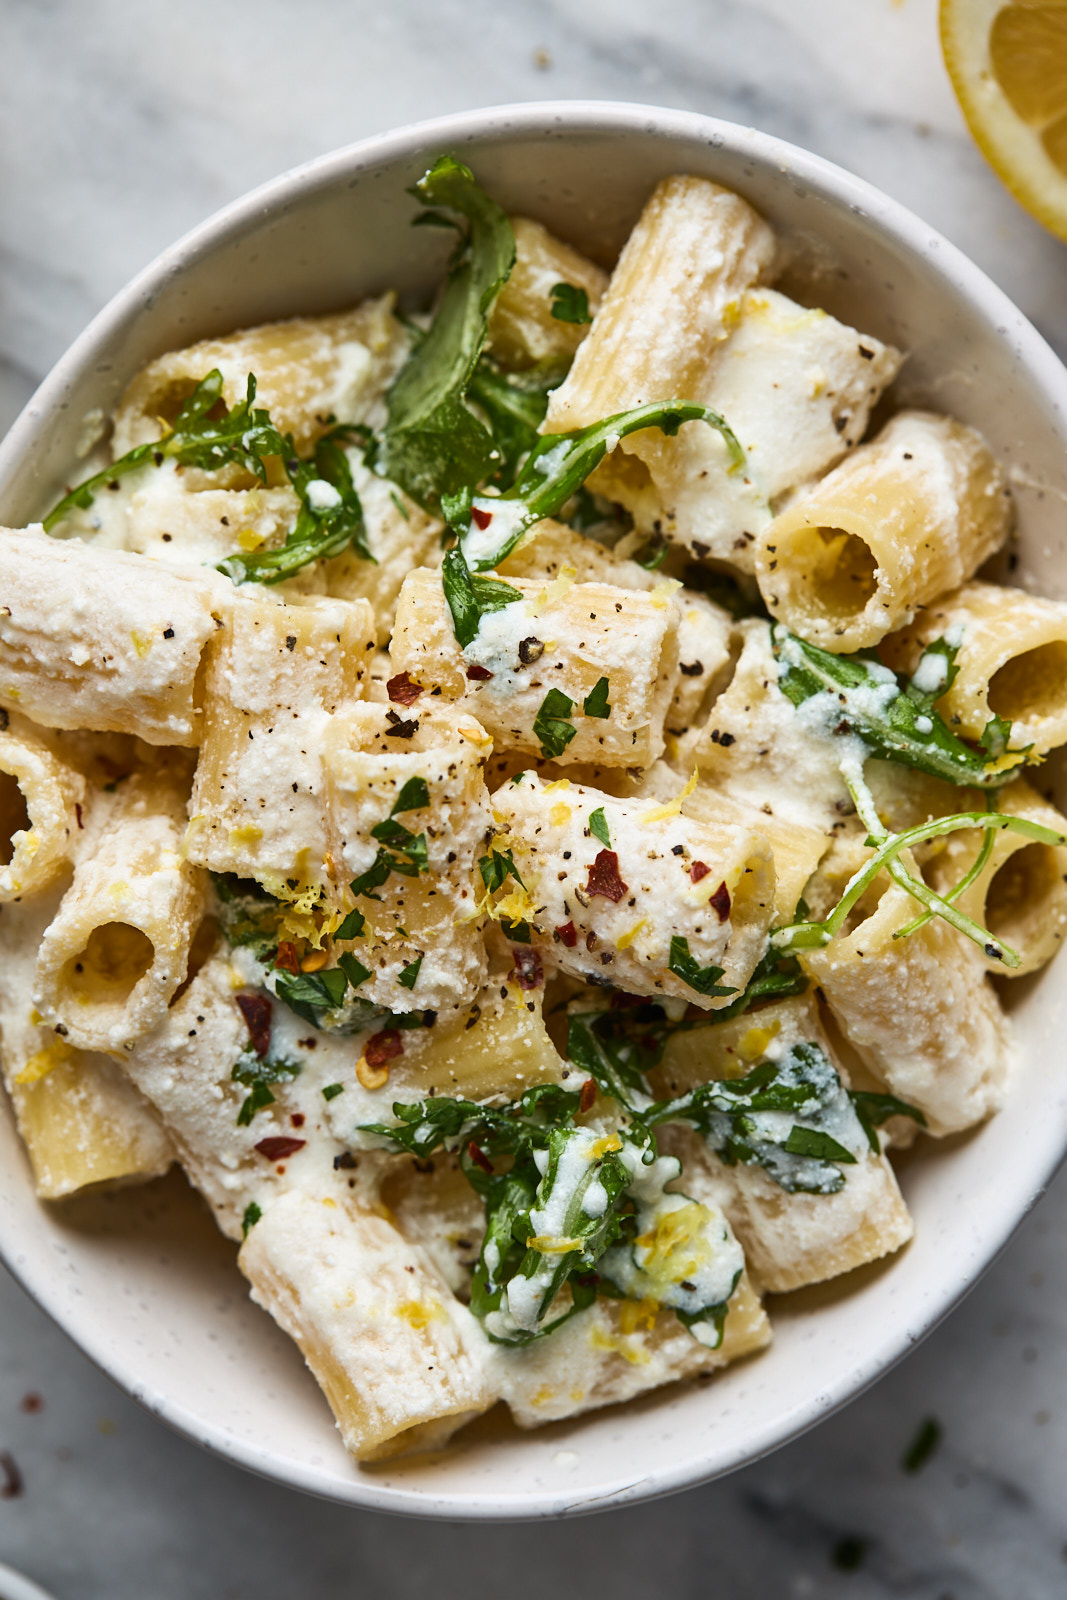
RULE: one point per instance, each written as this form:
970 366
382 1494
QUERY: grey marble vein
120 127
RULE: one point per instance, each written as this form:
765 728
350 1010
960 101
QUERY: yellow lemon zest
672 807
625 940
753 1044
39 1065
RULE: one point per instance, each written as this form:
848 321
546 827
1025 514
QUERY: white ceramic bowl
140 1279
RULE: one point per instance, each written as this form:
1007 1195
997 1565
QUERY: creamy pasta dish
527 802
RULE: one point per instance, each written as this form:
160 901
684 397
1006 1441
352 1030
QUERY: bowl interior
140 1279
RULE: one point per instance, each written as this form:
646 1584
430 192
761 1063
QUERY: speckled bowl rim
961 279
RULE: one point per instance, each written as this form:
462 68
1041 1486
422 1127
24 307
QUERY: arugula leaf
894 720
310 993
329 522
206 433
470 598
407 979
433 445
248 914
598 827
705 980
414 795
874 1109
514 404
595 703
551 725
557 468
570 303
353 969
257 1073
354 925
496 868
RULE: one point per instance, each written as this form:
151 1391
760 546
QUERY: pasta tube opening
14 817
1030 686
1027 879
115 959
842 573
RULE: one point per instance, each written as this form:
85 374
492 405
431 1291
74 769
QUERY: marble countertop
121 127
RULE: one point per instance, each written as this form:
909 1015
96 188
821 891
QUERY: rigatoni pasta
531 934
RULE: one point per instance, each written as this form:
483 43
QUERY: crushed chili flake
698 870
588 1095
256 1010
528 971
382 1047
297 1119
480 518
279 1147
720 902
403 689
286 957
604 877
567 934
477 674
479 1157
11 1482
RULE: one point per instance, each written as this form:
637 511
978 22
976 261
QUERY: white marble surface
121 126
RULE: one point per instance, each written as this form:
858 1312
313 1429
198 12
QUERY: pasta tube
1011 661
564 640
617 1350
789 1240
660 910
1020 895
522 328
672 297
920 1011
118 947
102 639
903 519
40 810
796 387
399 1359
755 748
169 521
82 1123
274 675
408 808
307 369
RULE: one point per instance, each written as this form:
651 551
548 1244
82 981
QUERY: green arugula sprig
894 717
206 433
684 965
471 597
330 520
809 935
619 1046
556 469
433 443
258 1073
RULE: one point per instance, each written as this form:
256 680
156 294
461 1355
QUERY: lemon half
1008 65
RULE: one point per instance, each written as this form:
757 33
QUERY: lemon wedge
1008 65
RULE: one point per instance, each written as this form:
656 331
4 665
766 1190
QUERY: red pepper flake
720 902
31 1402
78 813
286 957
297 1119
403 689
477 674
698 870
479 1157
588 1095
256 1010
567 934
11 1485
382 1047
480 518
528 971
604 877
278 1148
